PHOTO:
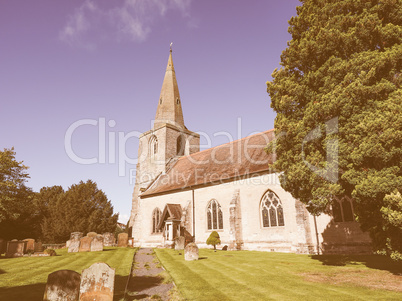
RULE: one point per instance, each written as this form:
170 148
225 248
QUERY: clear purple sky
65 61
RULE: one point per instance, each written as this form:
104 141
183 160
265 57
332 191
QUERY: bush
51 252
214 239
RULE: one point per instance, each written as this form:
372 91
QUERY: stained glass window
271 210
214 216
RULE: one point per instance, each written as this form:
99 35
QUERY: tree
338 100
82 208
214 239
17 213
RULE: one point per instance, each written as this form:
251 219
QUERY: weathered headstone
3 246
63 285
108 239
179 243
30 244
97 283
97 243
74 246
225 248
68 242
191 252
85 244
122 240
16 248
76 235
38 247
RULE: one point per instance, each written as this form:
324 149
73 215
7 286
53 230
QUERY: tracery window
156 216
214 216
153 145
342 210
271 210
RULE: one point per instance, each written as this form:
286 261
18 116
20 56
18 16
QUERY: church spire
169 107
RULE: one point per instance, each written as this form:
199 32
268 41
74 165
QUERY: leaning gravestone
85 244
108 239
122 240
16 248
191 252
179 243
63 285
97 243
97 283
30 244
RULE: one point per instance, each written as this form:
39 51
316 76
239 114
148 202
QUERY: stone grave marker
63 285
179 243
97 243
122 240
30 244
38 247
16 248
85 244
68 242
74 246
97 283
3 246
108 239
191 252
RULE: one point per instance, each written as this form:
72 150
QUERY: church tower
160 147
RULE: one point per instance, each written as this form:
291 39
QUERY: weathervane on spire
171 46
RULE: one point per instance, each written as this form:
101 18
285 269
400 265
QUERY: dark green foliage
343 64
82 208
18 216
214 239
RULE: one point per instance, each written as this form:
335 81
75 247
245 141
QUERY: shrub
51 252
214 239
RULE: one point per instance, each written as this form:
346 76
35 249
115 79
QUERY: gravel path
145 282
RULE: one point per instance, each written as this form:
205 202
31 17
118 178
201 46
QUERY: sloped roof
171 211
236 159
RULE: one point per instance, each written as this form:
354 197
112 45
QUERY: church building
182 191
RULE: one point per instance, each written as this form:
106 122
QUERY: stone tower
160 147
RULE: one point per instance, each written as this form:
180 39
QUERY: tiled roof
171 211
218 164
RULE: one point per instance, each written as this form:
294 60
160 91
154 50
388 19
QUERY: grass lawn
248 275
25 278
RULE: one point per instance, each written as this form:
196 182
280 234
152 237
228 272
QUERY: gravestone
3 246
225 248
76 235
38 247
68 242
30 244
122 240
85 244
74 246
97 283
63 285
179 243
16 248
108 239
97 243
191 252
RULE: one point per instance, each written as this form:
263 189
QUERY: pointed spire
169 106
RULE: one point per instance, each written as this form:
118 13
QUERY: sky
80 80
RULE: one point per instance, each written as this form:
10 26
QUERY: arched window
153 145
180 146
156 216
214 216
342 210
271 210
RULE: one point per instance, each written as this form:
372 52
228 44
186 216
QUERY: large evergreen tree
338 100
18 216
83 208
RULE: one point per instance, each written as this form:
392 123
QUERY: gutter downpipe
316 235
193 214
